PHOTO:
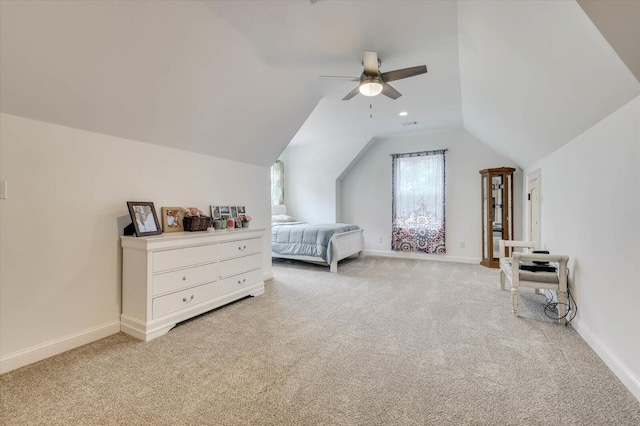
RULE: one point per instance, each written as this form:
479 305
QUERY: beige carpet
384 342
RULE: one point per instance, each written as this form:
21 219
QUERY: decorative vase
217 224
245 224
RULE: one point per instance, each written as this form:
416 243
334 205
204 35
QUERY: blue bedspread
304 239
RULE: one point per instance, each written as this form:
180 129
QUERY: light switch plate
3 189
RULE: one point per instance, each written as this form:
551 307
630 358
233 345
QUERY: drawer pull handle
184 299
184 278
243 248
243 281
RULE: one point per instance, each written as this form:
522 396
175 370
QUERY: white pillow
281 218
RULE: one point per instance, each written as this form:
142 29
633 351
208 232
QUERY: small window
277 183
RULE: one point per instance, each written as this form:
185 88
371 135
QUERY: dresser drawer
173 259
173 302
239 265
182 278
240 248
240 281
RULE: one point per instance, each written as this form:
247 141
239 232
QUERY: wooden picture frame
234 211
241 210
140 212
215 213
172 219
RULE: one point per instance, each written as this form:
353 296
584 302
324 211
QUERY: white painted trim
534 175
139 330
422 256
614 363
57 346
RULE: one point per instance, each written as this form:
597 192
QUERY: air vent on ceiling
315 1
409 123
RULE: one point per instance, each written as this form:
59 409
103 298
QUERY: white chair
510 271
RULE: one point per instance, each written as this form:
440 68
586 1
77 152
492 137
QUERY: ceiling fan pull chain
370 110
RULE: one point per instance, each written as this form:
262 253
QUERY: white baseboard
267 276
57 346
422 256
626 376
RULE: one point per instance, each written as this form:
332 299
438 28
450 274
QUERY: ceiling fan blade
352 93
340 77
390 91
370 63
403 73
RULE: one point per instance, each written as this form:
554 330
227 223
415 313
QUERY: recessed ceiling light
403 113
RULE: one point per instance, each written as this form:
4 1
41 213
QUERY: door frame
537 176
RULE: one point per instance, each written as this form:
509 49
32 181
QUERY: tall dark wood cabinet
497 212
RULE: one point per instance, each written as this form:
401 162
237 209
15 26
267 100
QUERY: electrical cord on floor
551 307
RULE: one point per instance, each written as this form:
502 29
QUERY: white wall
366 191
311 172
590 204
309 190
60 256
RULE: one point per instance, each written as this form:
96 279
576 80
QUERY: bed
316 243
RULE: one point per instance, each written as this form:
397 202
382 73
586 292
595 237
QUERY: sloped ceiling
169 73
329 38
619 23
239 79
535 75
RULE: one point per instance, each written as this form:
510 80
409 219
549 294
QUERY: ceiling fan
372 82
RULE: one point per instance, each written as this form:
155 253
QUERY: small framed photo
224 211
144 218
215 212
234 211
172 219
241 210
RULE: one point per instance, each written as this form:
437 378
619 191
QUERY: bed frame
343 245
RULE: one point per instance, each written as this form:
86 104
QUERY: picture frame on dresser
172 219
215 212
144 218
224 212
241 210
234 211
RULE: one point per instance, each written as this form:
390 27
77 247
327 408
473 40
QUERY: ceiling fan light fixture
373 82
370 87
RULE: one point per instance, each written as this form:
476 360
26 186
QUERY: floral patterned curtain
418 211
277 183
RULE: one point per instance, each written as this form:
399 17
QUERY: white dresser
169 278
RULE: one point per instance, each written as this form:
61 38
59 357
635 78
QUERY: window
277 183
418 211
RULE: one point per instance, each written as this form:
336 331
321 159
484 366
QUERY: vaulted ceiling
239 79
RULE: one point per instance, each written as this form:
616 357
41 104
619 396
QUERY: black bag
536 267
